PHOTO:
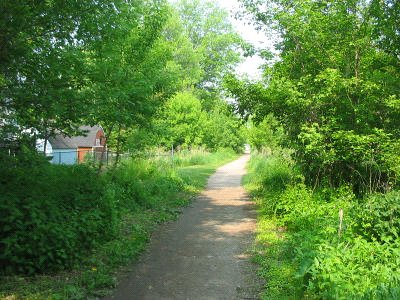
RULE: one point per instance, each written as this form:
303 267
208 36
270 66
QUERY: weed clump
323 243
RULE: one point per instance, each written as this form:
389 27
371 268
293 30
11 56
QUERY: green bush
274 171
267 135
378 217
368 162
192 157
356 269
50 216
341 265
183 122
358 261
271 174
66 229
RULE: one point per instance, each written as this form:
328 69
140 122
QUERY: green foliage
386 15
266 181
90 224
213 37
142 184
223 129
378 217
367 161
265 136
43 61
51 216
183 123
274 172
54 67
337 102
323 257
361 270
129 70
186 62
199 157
112 63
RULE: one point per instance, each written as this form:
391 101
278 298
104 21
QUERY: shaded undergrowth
140 194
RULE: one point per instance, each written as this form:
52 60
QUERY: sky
251 65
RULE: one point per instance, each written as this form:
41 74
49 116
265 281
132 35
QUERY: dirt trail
203 254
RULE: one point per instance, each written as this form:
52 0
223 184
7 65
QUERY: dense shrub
355 258
355 269
183 122
339 263
266 135
50 216
273 172
369 162
378 217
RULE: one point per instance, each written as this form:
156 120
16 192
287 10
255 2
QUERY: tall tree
182 121
43 45
335 88
127 68
185 64
214 37
69 63
386 19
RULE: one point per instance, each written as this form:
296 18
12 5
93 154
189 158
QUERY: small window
97 142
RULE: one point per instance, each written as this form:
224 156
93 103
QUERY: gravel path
203 255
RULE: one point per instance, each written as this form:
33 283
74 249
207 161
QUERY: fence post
340 223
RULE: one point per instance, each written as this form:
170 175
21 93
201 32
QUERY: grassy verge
265 181
324 243
145 193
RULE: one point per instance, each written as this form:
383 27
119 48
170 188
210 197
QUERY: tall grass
193 157
266 181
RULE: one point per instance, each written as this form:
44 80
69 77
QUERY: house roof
87 140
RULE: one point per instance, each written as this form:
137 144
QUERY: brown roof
87 140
